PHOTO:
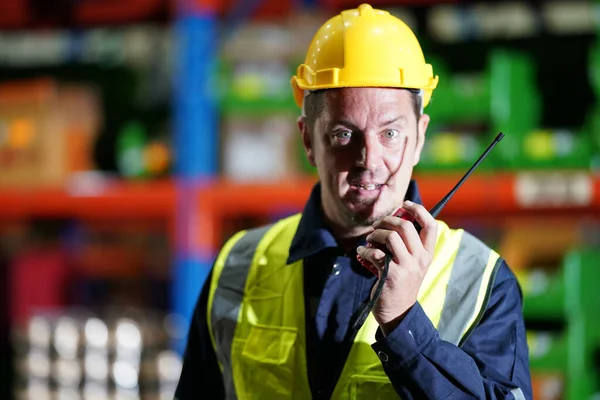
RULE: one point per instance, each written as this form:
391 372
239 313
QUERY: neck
349 239
349 233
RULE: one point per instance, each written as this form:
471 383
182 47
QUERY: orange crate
547 386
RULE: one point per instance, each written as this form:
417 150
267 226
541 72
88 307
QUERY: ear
307 140
422 125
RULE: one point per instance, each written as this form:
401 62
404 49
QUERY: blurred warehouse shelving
503 193
484 196
157 194
567 297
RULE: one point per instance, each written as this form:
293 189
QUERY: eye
343 135
390 133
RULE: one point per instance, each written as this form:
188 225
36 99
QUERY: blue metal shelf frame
195 129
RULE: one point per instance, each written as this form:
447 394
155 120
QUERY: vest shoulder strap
469 289
228 282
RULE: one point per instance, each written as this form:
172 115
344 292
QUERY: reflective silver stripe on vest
518 393
463 288
228 299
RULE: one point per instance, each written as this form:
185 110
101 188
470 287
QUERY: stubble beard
365 216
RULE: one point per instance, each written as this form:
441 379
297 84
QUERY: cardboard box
260 148
547 386
47 132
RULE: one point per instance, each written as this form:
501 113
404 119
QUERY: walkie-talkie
401 213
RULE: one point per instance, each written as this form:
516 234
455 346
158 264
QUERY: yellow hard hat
364 47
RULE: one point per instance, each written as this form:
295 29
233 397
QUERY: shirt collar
313 236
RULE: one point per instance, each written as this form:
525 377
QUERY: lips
369 186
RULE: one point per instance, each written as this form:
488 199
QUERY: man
275 317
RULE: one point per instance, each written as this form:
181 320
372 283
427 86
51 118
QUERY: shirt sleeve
200 373
493 363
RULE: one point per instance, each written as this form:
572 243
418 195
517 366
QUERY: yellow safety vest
256 313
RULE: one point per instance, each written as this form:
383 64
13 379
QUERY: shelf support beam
195 132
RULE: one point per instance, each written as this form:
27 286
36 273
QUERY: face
364 145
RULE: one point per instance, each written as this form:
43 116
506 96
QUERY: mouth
370 186
367 186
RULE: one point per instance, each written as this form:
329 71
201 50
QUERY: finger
392 241
405 229
427 222
367 264
373 255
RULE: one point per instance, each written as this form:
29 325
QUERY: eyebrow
345 123
396 119
354 127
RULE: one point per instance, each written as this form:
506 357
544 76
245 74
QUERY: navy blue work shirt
491 364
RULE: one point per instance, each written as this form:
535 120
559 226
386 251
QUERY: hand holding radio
412 252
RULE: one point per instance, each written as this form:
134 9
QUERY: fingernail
360 248
408 203
368 237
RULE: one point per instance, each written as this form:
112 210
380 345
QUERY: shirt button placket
336 269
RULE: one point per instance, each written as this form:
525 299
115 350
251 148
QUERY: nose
370 153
